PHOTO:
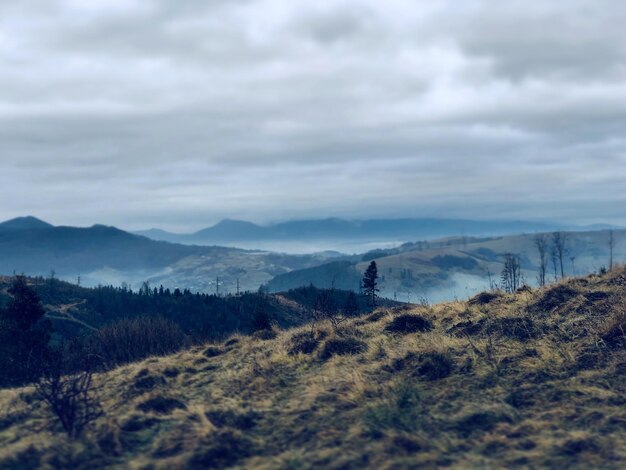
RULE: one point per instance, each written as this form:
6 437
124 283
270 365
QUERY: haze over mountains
421 261
349 236
107 255
455 267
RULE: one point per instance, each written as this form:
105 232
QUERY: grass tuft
161 405
401 411
342 346
409 323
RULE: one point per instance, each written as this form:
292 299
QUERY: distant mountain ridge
406 229
37 249
24 223
107 255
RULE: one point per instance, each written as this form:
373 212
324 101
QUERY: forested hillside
76 311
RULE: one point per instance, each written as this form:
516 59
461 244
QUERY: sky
175 114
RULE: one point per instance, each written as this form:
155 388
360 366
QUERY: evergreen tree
261 319
351 308
24 336
370 283
24 308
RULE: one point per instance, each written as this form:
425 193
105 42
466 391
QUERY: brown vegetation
533 379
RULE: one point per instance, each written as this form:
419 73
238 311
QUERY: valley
430 269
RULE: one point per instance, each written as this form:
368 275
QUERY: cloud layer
176 114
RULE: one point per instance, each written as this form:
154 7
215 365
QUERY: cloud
179 113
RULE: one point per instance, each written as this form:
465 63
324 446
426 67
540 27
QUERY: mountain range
406 229
439 268
108 255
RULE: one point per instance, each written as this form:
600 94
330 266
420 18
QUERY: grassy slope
545 392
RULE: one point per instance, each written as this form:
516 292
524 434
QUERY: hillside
77 311
527 380
455 267
107 255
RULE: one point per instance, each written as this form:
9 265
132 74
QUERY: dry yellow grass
530 380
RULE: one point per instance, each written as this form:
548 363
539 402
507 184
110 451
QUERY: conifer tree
352 306
24 336
370 283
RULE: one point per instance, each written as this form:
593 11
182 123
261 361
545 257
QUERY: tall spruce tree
370 284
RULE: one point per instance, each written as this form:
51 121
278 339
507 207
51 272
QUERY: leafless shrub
511 273
72 398
325 308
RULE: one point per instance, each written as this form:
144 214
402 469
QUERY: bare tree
70 396
325 308
611 246
554 259
493 285
511 273
559 241
541 242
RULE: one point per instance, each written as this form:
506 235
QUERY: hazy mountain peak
230 228
25 223
106 228
234 223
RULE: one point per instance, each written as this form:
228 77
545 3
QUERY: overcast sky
170 113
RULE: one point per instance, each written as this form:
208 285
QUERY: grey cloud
179 113
573 40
